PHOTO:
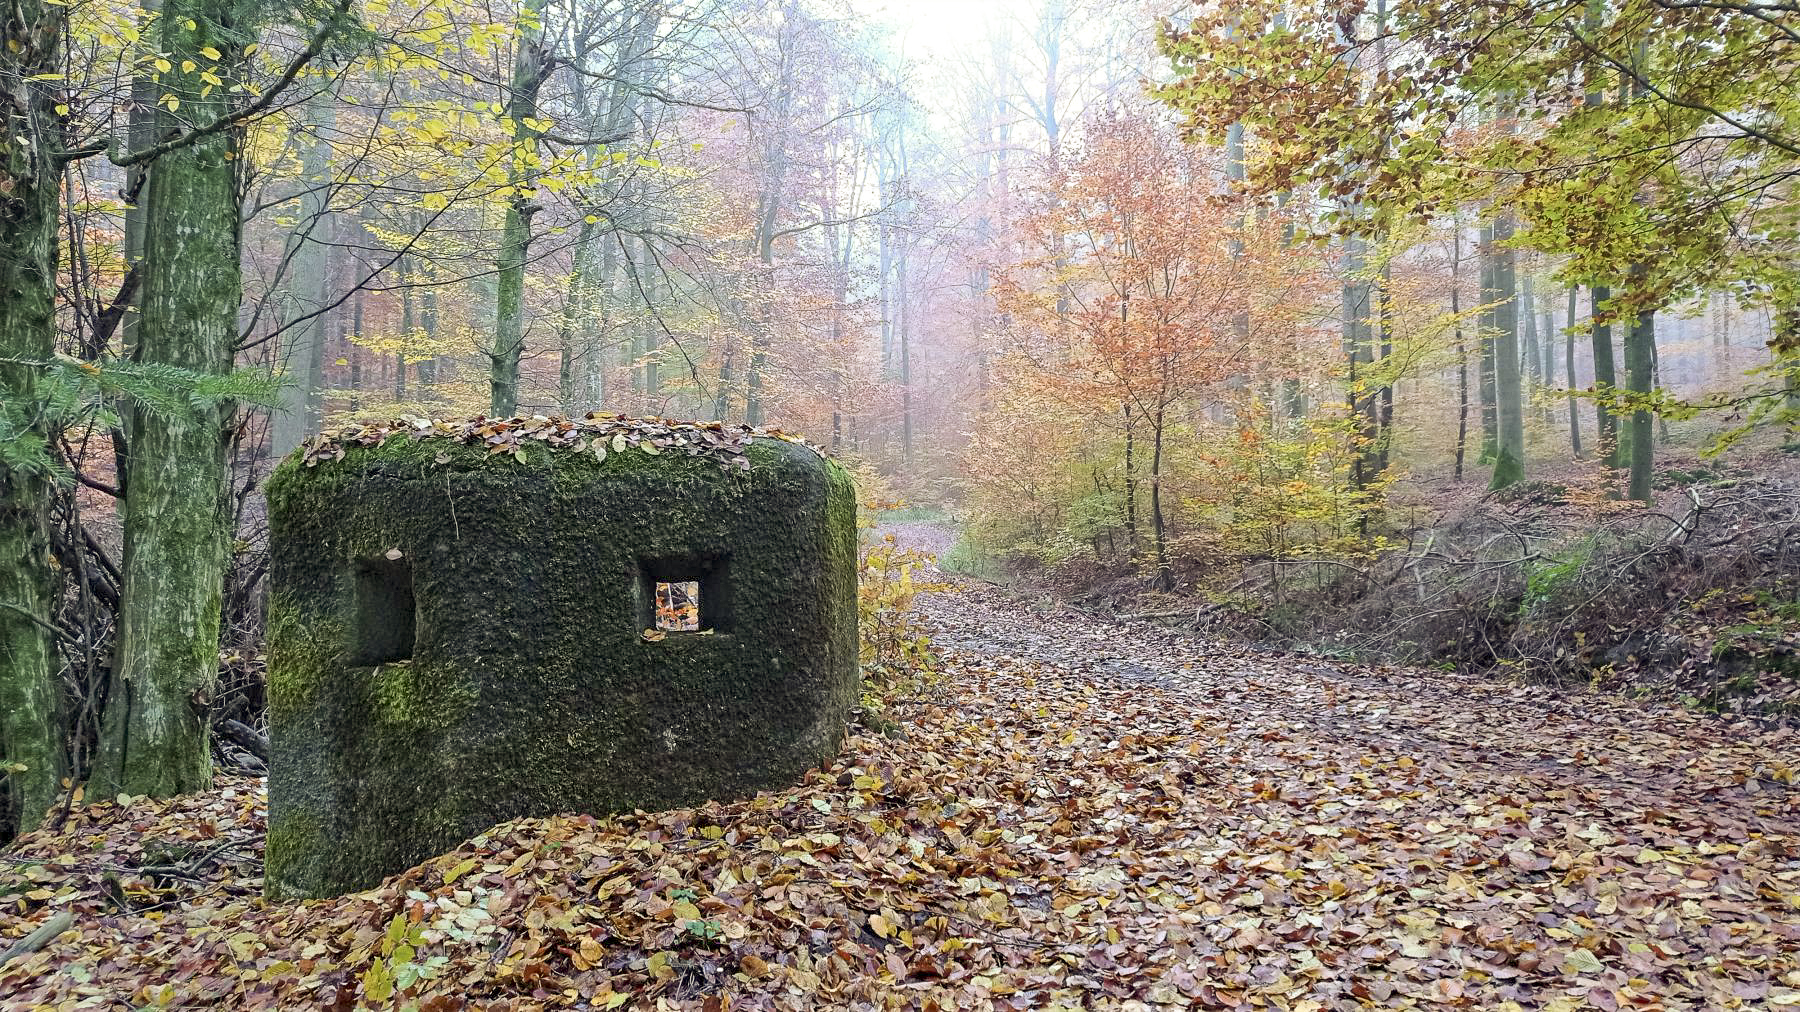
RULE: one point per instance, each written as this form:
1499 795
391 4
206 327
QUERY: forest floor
1081 815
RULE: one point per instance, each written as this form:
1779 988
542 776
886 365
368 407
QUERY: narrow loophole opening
684 594
385 622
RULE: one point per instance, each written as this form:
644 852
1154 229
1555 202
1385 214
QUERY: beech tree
1629 144
176 512
31 33
1171 295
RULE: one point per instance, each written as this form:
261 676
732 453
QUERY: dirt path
1476 729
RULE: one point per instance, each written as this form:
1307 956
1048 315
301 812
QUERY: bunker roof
597 434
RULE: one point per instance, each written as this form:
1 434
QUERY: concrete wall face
454 643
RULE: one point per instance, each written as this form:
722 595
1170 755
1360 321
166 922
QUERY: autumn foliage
1155 322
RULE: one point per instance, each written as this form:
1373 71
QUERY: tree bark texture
33 32
531 66
154 739
1509 400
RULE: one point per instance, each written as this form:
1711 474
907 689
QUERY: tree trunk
595 329
1534 361
303 352
774 194
1640 362
1484 389
140 134
407 323
1784 346
29 740
906 390
1547 328
427 368
1385 421
1361 403
356 352
1569 374
1606 426
154 739
1165 577
1509 401
576 307
1131 538
531 65
1640 355
1462 354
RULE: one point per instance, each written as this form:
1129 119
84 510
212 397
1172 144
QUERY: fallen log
246 737
39 938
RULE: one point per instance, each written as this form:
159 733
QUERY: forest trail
1509 832
1080 815
1469 729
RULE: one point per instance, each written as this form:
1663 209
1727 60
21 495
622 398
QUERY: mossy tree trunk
531 66
1606 378
154 739
1640 349
1484 339
1569 371
1640 364
1509 400
30 748
1606 426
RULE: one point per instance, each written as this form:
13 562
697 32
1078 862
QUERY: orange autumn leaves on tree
1152 297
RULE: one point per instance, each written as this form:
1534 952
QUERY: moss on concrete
531 689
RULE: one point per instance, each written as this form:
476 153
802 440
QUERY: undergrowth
1699 604
896 651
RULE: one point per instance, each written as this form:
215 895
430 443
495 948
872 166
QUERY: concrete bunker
473 622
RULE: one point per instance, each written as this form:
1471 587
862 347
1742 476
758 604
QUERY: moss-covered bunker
457 636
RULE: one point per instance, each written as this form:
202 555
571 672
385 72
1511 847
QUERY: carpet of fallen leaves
598 433
1084 817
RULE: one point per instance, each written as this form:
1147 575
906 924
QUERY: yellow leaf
659 966
211 53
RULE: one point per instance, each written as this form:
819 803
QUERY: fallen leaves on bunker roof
1088 817
598 433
